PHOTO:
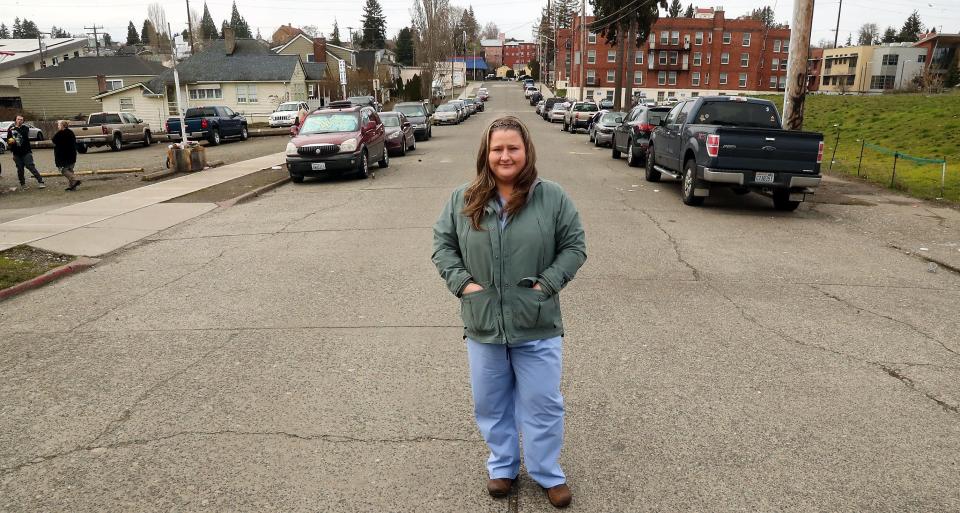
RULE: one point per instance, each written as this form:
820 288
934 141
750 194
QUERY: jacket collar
494 206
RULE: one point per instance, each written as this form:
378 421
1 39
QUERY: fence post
835 144
860 160
943 175
894 175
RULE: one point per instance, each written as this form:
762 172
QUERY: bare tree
490 31
158 17
433 26
195 23
310 30
869 34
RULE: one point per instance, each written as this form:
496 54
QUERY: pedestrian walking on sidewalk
506 244
18 139
65 152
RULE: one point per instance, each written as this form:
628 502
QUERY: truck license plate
764 178
320 166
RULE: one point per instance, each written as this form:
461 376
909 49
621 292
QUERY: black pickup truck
736 142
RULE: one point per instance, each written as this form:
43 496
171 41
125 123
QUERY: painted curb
80 264
247 196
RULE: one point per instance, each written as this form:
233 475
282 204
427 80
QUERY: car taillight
713 145
203 123
643 127
820 153
166 127
103 128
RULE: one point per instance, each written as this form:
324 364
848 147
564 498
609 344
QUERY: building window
611 76
695 78
70 86
673 57
743 80
56 60
589 93
723 79
126 104
609 95
783 65
663 58
611 56
889 59
922 58
746 39
698 38
675 37
638 59
662 78
773 82
783 82
786 46
246 93
638 78
776 46
207 93
672 78
591 77
744 60
774 64
726 38
724 58
591 38
113 85
591 56
696 58
709 38
695 94
664 37
660 96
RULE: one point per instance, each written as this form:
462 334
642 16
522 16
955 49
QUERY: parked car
605 104
286 113
336 141
490 76
579 116
601 130
211 123
3 145
559 112
633 135
112 129
539 107
462 108
419 117
399 133
483 94
35 133
474 105
535 97
737 142
431 108
447 114
366 101
529 90
548 106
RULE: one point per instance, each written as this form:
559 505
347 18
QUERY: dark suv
633 135
419 117
337 140
548 104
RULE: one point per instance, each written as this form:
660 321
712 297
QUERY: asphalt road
300 353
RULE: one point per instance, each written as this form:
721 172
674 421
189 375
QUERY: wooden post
893 176
797 64
835 144
860 160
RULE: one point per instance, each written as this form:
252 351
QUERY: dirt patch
235 187
22 263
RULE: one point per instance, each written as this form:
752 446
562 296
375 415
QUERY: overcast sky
514 17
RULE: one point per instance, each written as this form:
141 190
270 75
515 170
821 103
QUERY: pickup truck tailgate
762 149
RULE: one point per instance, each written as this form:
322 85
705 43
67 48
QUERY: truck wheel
147 140
117 143
690 183
385 161
363 167
82 148
633 159
615 153
296 178
781 201
649 173
244 133
215 137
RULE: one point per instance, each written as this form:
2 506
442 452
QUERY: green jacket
543 243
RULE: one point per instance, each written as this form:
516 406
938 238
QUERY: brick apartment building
684 57
517 54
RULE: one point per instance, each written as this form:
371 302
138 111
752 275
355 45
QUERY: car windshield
411 110
390 120
610 118
288 106
655 115
586 107
737 113
446 107
325 123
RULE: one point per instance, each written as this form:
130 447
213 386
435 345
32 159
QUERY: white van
286 113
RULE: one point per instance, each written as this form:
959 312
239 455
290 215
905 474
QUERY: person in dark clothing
19 142
65 152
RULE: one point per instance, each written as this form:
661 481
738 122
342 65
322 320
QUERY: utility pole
96 38
583 47
176 84
189 29
836 32
796 89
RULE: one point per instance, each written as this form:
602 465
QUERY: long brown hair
484 186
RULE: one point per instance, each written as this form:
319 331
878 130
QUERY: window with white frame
773 82
638 78
591 77
638 58
591 56
726 38
698 38
890 59
743 80
664 37
673 57
661 78
611 76
783 82
609 95
113 85
70 86
776 45
206 93
783 65
663 57
744 60
695 78
697 56
246 93
723 79
785 48
126 104
591 38
672 78
675 37
775 64
724 58
661 95
589 93
746 39
611 56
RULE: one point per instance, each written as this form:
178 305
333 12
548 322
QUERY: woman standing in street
506 244
65 152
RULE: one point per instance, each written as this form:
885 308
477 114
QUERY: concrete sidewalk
102 225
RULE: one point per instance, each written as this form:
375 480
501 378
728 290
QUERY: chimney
319 49
101 83
229 40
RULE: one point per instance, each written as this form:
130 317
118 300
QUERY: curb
247 196
118 171
80 264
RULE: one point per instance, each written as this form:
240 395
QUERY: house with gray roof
21 56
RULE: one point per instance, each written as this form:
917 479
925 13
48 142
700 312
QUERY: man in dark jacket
18 139
65 152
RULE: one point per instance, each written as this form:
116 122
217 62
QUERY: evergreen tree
889 35
29 29
238 24
869 34
413 90
58 32
148 33
534 66
17 28
849 40
133 38
952 78
374 25
405 47
4 31
689 12
675 9
911 29
335 35
208 29
764 14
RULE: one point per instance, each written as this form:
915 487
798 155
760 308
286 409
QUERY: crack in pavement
353 197
878 314
673 241
911 385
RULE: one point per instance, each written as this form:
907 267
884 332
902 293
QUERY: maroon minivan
337 140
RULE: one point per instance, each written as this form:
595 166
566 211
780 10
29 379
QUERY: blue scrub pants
516 389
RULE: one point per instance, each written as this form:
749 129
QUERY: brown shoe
559 495
499 487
